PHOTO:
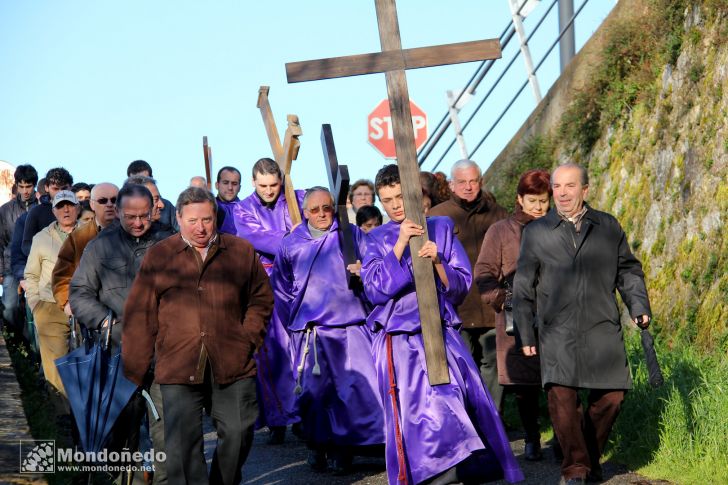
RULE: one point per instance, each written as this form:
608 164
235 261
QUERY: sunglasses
326 208
105 200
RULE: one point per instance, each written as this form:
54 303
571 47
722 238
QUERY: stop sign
381 135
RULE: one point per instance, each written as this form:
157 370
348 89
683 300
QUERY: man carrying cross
263 219
446 431
336 386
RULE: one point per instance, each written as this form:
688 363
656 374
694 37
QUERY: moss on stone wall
651 125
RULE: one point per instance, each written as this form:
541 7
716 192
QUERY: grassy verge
677 432
37 407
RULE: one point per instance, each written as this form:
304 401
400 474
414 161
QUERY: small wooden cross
283 155
207 152
339 184
393 60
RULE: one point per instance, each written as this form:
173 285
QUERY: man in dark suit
572 262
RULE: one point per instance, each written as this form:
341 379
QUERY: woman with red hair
493 273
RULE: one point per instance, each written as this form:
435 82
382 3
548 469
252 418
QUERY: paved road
286 464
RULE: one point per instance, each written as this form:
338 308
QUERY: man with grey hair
198 309
101 285
572 262
323 314
198 181
158 205
474 210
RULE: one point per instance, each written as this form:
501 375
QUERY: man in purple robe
228 187
263 219
447 433
337 391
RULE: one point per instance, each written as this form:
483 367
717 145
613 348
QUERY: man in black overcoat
571 262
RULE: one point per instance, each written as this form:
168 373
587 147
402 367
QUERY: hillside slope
645 107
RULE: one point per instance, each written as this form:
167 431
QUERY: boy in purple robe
447 433
337 391
263 219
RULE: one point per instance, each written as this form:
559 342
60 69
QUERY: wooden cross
283 155
339 184
393 60
207 152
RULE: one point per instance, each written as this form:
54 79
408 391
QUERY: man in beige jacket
50 321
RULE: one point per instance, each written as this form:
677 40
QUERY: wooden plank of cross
282 154
339 184
393 60
207 153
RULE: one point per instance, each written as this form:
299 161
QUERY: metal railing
480 74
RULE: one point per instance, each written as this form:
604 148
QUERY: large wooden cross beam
393 61
339 184
285 154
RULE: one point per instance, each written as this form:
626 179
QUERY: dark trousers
528 410
234 411
11 303
156 432
481 343
582 435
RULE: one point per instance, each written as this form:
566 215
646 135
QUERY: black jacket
571 278
38 217
105 273
9 213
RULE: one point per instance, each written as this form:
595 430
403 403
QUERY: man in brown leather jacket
473 210
199 308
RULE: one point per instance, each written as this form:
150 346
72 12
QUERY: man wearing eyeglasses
103 280
262 218
159 222
110 262
103 203
331 343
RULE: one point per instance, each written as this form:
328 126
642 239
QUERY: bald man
198 181
103 203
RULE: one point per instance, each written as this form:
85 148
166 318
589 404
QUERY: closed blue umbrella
96 387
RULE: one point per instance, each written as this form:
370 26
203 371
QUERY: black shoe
277 435
317 461
533 452
297 430
595 475
340 464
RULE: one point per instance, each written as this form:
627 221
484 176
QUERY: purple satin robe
337 395
441 426
265 228
228 223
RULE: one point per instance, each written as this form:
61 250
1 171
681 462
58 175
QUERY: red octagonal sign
381 135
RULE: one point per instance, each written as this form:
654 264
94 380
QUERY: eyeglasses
315 210
363 194
105 200
133 218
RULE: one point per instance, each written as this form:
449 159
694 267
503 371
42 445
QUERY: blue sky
92 85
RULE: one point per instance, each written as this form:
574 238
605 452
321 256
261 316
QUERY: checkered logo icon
37 456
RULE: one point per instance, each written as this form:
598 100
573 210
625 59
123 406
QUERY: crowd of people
224 306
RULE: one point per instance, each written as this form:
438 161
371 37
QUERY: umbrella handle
109 320
148 398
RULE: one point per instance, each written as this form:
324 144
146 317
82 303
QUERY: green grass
678 432
38 409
